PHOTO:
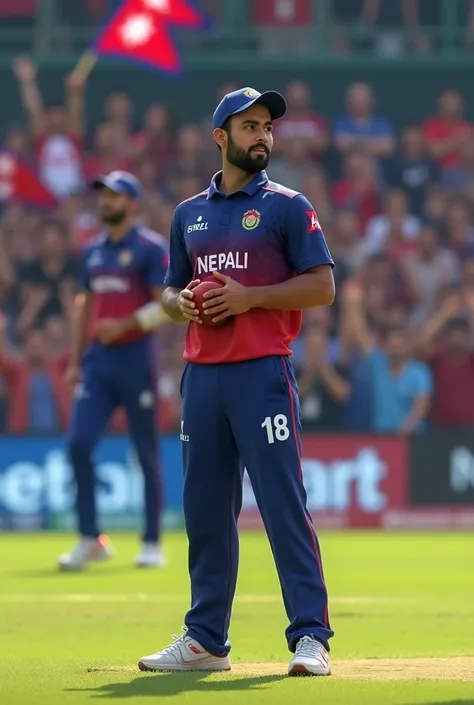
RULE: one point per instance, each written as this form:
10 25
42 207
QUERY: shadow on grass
53 571
166 684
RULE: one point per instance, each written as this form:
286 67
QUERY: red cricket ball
199 291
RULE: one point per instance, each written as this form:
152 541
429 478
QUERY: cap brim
98 184
272 100
103 182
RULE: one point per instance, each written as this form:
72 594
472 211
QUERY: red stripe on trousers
300 477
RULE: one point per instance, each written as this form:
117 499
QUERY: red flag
140 31
18 182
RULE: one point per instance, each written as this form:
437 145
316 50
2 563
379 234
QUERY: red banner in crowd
140 31
18 182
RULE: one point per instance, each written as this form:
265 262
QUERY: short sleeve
304 240
180 269
156 265
82 278
422 380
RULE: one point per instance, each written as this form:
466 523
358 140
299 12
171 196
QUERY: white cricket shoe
184 654
85 551
150 556
310 659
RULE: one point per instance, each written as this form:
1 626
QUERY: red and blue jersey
263 234
122 275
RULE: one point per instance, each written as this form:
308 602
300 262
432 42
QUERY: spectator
323 387
58 132
189 155
358 189
156 140
460 179
17 141
435 207
301 122
394 229
38 401
108 153
446 343
401 386
293 164
446 133
459 228
413 170
360 129
47 284
429 270
346 244
77 213
119 110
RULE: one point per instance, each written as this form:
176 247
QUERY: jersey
263 234
121 275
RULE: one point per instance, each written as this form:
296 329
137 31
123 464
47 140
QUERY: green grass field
402 607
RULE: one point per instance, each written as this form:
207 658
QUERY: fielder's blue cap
120 182
238 101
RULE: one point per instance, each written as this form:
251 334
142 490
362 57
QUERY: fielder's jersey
263 234
121 275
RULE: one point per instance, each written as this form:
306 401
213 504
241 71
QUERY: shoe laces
177 641
309 647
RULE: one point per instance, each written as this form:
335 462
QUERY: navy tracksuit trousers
116 375
235 415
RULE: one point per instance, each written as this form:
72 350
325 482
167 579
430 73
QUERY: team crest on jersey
251 219
251 93
125 257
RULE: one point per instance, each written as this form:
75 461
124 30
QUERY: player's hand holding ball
228 299
186 302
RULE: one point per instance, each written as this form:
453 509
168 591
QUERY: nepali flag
18 182
140 31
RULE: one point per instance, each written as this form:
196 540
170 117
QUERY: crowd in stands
394 354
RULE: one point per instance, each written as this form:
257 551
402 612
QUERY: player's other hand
230 300
108 330
72 377
186 304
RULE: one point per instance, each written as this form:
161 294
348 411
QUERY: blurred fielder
118 307
263 242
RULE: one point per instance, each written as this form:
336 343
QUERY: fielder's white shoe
310 659
150 556
85 551
184 654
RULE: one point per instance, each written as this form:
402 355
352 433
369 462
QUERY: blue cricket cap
120 182
238 101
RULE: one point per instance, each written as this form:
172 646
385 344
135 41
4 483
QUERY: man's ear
220 137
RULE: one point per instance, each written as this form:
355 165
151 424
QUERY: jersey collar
250 189
126 240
